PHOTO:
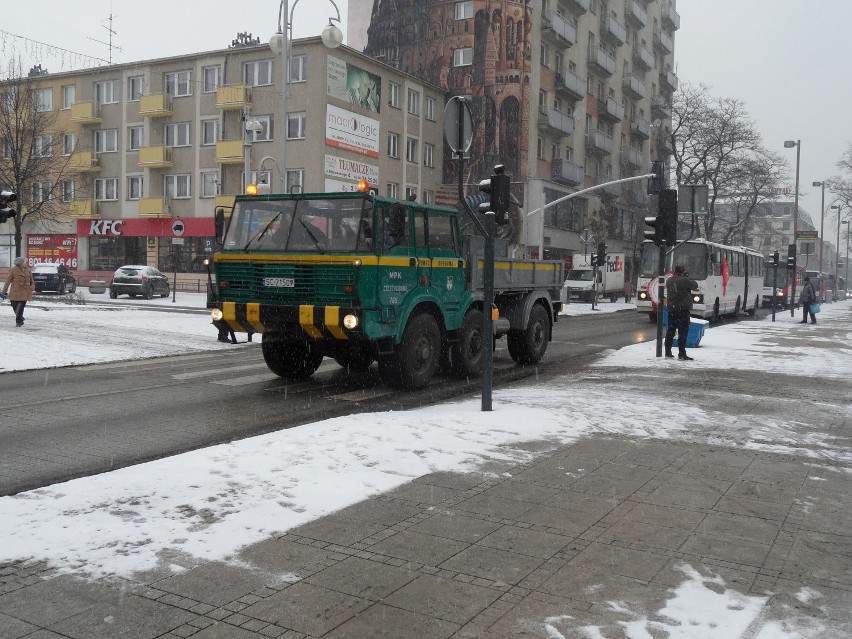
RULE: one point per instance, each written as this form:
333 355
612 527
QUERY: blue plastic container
696 329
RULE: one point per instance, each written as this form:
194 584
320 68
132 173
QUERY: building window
106 141
410 192
393 190
106 92
179 83
463 57
539 149
134 138
298 68
393 95
296 126
41 192
210 79
265 133
135 86
428 154
43 100
295 180
411 150
177 134
134 187
209 132
429 109
106 189
42 146
428 197
393 145
209 184
257 73
413 102
464 10
69 143
67 190
178 187
69 95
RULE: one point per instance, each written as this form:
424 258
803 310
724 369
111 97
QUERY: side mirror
219 222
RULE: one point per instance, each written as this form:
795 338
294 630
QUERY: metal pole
837 252
285 25
821 223
774 286
661 292
796 224
487 302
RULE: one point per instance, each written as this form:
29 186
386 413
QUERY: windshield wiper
263 232
311 233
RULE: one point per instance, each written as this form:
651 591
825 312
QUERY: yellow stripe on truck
253 316
332 322
306 320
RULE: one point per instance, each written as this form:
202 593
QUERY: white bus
730 278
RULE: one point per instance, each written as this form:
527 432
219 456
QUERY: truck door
447 274
398 274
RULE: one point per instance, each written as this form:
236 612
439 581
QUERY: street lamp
252 127
837 246
846 260
821 221
789 144
332 37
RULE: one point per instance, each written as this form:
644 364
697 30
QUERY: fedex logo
105 227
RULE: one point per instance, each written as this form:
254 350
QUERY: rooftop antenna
111 33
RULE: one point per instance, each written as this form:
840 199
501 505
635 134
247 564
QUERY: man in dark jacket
679 289
808 298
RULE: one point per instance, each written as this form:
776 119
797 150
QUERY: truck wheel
466 353
416 359
528 346
291 360
356 358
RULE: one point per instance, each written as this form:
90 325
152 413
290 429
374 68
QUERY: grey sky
787 60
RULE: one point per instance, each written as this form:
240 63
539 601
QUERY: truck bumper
317 322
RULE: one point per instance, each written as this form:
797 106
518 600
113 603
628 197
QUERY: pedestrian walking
628 291
808 297
679 289
20 281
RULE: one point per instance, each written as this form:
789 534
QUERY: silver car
134 280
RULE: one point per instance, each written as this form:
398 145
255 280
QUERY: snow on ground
208 503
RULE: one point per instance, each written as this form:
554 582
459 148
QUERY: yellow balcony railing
156 105
83 209
225 201
229 152
85 113
153 207
233 96
84 162
155 157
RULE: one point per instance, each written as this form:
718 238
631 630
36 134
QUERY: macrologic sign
350 131
352 84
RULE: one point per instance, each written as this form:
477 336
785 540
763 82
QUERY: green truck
363 279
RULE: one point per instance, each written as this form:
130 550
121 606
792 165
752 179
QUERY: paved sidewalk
582 539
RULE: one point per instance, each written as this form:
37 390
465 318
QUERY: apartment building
567 94
155 147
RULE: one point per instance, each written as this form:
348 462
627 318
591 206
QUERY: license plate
279 282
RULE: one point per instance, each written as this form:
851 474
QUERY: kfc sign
106 227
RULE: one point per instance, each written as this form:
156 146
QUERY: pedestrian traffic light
601 261
775 257
6 210
668 215
791 257
656 236
497 187
655 183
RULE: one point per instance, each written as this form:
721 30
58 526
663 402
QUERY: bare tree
841 185
32 163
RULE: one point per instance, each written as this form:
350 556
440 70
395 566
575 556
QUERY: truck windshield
300 225
580 275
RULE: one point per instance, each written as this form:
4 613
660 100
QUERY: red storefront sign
156 227
61 249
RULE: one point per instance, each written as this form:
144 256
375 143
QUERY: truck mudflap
318 322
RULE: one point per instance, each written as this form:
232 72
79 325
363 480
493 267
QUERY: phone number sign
61 249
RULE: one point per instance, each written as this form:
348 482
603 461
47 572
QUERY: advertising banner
352 84
352 132
337 167
61 249
156 227
338 186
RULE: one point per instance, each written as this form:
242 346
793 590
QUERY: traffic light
6 210
668 215
656 236
775 257
656 183
497 187
601 255
791 257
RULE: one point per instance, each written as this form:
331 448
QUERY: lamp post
846 259
332 37
252 127
789 144
821 221
837 246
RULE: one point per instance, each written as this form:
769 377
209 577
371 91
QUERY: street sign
692 199
178 241
178 228
456 113
807 235
586 236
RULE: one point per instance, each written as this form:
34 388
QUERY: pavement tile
456 481
780 493
599 484
522 491
446 599
492 563
381 621
11 628
492 506
362 578
667 495
222 630
335 529
671 517
213 583
49 601
740 527
600 505
570 522
526 542
636 564
414 546
456 526
383 511
424 493
282 555
762 508
651 535
673 575
748 553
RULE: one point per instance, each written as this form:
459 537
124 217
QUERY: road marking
248 379
148 361
219 370
363 394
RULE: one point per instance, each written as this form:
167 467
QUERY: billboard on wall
352 132
61 249
354 85
354 170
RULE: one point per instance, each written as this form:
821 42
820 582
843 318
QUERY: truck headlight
350 321
216 314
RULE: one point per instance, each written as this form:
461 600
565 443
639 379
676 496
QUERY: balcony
85 113
637 13
556 120
579 7
610 189
668 79
229 152
83 209
671 18
84 162
572 84
663 41
642 57
598 142
156 105
601 61
634 87
155 157
233 96
664 145
559 29
565 172
632 157
153 207
225 201
614 32
611 110
641 128
661 107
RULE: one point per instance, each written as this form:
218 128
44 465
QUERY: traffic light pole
487 304
661 293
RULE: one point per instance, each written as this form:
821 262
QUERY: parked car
49 276
136 280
